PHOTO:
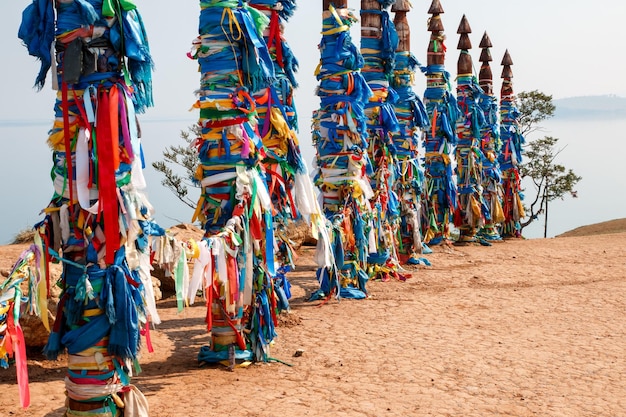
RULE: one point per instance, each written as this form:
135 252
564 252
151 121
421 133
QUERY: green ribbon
178 280
109 6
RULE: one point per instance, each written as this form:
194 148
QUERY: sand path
523 328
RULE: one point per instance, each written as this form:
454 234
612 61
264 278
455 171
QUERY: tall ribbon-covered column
411 114
440 137
490 146
339 132
510 156
290 186
98 222
379 41
470 213
235 260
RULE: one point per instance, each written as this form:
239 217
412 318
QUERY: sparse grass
24 236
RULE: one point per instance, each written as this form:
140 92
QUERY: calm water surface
594 149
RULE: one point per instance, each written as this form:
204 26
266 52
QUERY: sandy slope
522 328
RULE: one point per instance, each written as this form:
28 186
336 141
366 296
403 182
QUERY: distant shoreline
41 122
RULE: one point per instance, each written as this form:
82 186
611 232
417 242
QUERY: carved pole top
506 60
464 64
401 6
435 8
436 45
464 26
507 72
464 30
507 76
485 76
485 42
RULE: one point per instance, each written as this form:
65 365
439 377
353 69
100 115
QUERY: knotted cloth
439 143
239 194
472 208
408 170
342 162
98 222
510 159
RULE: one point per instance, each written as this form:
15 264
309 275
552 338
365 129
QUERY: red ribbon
68 143
107 135
274 38
146 333
255 227
18 346
275 176
233 278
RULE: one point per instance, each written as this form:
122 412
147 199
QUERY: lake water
594 149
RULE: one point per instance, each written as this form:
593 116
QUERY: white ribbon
146 278
85 392
64 217
219 252
199 270
82 172
221 177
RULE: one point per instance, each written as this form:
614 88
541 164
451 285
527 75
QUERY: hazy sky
562 48
566 49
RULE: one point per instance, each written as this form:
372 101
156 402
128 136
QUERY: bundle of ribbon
173 257
408 171
339 132
379 41
239 291
98 223
470 213
24 291
511 155
235 206
441 137
289 183
490 146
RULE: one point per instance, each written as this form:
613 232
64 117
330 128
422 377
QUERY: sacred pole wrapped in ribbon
339 134
234 264
440 137
411 114
470 213
379 41
490 145
510 156
98 223
290 186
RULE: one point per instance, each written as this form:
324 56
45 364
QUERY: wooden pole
340 142
512 141
401 8
485 76
440 137
507 75
436 49
464 64
411 114
492 182
469 167
337 4
370 22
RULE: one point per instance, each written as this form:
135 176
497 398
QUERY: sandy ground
522 328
